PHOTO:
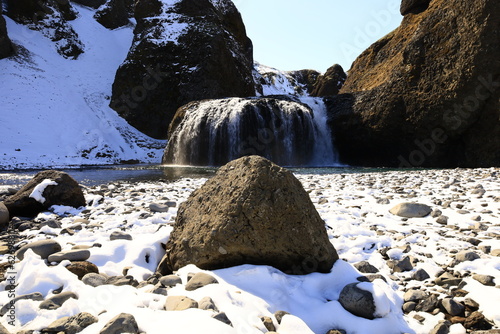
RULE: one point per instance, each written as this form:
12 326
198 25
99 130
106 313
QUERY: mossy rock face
189 51
251 212
427 94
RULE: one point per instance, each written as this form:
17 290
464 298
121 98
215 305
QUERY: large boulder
426 94
6 48
47 188
91 3
51 18
183 51
251 212
330 83
115 13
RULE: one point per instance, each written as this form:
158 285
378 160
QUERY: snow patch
37 192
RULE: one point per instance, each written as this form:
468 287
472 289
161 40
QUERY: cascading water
288 132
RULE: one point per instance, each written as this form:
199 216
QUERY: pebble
57 300
44 248
94 279
485 279
71 255
200 280
118 235
170 280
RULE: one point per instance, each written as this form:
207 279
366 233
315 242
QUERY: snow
277 82
37 192
55 111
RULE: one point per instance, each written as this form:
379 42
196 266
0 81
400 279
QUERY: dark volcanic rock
413 6
357 301
188 51
6 48
115 13
66 192
331 82
90 3
50 17
251 212
427 94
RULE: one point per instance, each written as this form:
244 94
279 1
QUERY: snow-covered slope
277 82
54 111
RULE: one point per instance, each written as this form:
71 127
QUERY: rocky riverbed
434 274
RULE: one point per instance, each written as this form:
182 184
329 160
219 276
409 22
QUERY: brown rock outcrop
330 83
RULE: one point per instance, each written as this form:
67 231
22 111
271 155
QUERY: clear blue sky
315 34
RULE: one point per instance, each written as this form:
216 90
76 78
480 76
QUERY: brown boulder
251 212
330 83
6 48
426 94
66 192
187 51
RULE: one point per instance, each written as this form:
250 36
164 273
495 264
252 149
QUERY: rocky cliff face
183 50
51 17
427 94
115 13
6 48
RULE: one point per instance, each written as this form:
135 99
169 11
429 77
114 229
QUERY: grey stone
206 303
420 275
222 317
37 296
200 280
443 220
366 267
427 304
279 315
122 280
57 300
94 279
154 207
443 327
485 279
71 325
159 290
170 280
415 295
400 266
411 210
122 323
71 255
371 278
179 303
446 279
409 306
357 301
452 307
118 235
44 248
466 255
4 215
436 213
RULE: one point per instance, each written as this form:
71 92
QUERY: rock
251 212
466 255
415 295
119 235
411 210
200 280
206 303
270 82
268 323
400 266
94 279
43 248
3 330
279 315
443 327
57 300
4 215
115 13
91 3
199 126
179 303
330 83
82 268
122 280
476 320
357 301
222 317
428 304
122 323
336 331
170 280
452 307
71 255
446 279
158 207
495 252
51 18
436 213
71 325
420 275
371 278
66 192
158 78
37 296
409 306
485 279
405 104
413 6
365 267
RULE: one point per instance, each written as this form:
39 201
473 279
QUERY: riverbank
125 223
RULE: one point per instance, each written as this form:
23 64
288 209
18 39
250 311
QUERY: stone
452 307
157 79
443 327
495 252
91 3
411 210
4 215
82 268
200 280
268 323
428 304
71 325
466 255
222 317
154 207
279 315
415 295
43 248
66 192
366 267
371 278
357 301
409 306
251 212
71 255
336 331
119 235
398 108
476 320
485 279
36 296
122 323
57 300
206 303
170 280
122 280
3 330
115 13
330 82
94 279
400 266
179 303
446 279
420 275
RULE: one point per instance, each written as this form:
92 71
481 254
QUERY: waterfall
288 132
